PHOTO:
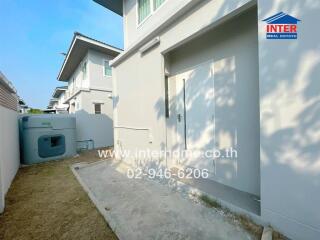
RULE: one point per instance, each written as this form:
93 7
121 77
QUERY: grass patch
60 208
209 202
249 225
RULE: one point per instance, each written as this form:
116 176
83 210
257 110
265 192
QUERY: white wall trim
170 19
132 128
147 37
98 102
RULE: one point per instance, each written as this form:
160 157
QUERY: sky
33 34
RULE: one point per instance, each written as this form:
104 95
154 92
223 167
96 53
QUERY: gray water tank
47 137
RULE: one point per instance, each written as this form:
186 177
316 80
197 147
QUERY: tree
35 111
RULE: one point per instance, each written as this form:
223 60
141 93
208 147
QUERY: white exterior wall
290 135
94 88
234 56
138 110
96 74
77 79
94 78
289 92
139 80
9 150
61 101
98 127
134 31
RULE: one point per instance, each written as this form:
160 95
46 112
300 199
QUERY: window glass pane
84 67
107 69
144 9
157 3
97 108
84 70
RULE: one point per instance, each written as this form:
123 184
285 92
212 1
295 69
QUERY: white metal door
195 115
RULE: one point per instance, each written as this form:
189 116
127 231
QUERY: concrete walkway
144 209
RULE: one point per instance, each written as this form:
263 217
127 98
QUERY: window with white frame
73 83
146 7
157 3
97 108
107 68
84 69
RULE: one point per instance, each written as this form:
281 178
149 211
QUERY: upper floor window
157 3
72 84
146 7
107 69
84 69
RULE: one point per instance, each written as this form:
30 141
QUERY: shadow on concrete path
145 209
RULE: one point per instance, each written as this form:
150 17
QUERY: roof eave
58 91
115 6
53 101
93 44
7 84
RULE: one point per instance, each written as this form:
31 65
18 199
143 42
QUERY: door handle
179 117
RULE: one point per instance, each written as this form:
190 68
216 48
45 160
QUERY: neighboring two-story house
202 75
57 103
23 107
87 71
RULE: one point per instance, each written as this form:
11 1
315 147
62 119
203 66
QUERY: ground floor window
97 108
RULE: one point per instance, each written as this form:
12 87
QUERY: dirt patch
46 201
246 223
243 220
